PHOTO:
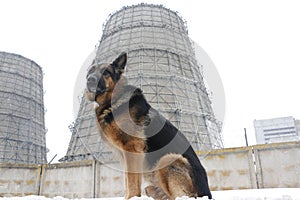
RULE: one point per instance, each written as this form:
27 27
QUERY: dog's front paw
127 197
133 194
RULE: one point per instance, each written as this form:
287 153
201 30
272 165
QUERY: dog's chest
119 129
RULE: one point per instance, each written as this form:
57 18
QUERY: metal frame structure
22 126
161 61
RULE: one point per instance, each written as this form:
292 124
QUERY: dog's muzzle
96 85
92 83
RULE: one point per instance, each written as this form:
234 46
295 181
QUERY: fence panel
110 180
278 165
19 179
70 180
229 169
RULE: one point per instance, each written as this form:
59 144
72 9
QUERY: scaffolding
22 127
161 61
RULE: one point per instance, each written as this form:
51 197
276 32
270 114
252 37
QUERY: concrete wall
110 180
19 179
83 179
278 165
230 169
260 166
70 180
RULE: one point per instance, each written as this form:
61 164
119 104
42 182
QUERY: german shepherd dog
148 143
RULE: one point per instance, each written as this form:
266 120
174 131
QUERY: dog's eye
92 70
106 73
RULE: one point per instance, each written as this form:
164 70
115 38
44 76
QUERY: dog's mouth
92 83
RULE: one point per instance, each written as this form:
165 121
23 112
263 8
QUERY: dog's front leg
133 174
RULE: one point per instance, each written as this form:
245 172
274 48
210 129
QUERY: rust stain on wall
225 173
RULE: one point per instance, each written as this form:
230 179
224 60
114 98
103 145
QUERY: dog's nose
92 82
92 79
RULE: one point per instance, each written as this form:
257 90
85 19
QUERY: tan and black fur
148 143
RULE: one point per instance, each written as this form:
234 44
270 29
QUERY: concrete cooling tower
161 61
22 127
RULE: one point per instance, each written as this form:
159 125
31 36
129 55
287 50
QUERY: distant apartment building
274 130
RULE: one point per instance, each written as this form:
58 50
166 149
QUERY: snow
258 194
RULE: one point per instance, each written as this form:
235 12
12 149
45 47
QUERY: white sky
255 46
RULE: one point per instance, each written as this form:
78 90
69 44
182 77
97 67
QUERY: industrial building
283 129
161 61
22 126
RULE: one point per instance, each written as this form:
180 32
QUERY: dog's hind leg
156 193
174 177
154 190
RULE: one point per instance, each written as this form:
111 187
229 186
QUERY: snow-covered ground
261 194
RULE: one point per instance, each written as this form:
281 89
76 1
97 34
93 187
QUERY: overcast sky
255 46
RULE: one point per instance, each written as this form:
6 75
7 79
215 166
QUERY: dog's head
102 79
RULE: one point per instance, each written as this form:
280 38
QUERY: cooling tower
161 61
22 127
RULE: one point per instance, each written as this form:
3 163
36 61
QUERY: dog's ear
120 62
